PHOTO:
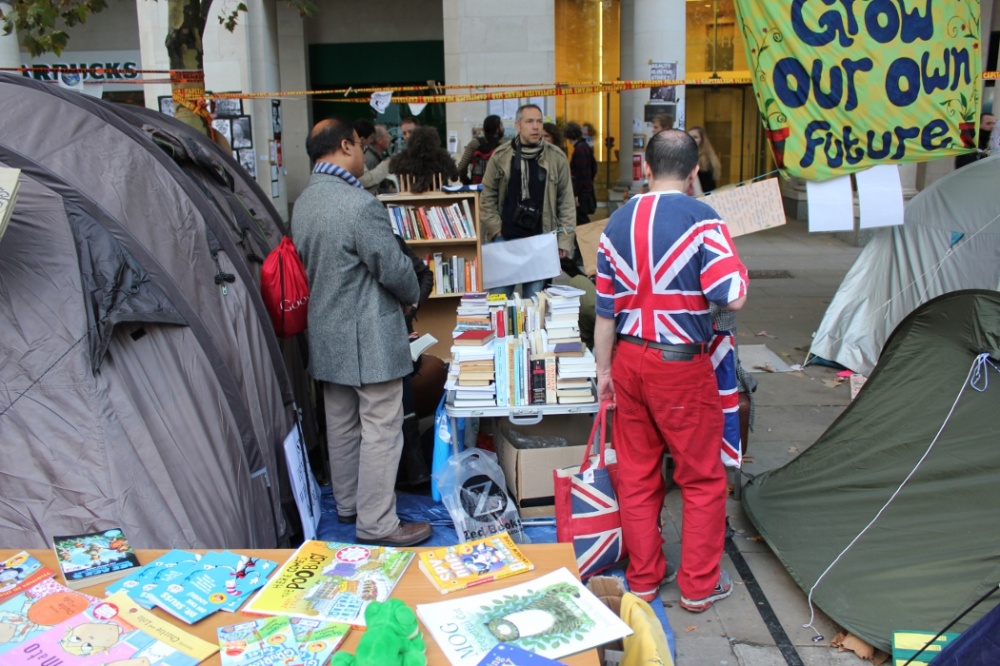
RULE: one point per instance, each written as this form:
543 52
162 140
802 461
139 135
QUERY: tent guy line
978 362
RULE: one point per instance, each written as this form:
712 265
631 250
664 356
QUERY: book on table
331 581
30 613
114 631
553 615
473 563
94 557
506 654
19 572
279 640
473 338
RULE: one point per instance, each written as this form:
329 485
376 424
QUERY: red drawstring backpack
285 289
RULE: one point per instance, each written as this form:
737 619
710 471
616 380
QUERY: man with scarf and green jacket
527 191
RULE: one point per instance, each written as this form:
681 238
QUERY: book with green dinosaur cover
553 615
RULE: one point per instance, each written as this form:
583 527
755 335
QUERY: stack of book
575 377
473 313
562 316
472 374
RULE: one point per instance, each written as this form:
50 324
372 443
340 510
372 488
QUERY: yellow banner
842 85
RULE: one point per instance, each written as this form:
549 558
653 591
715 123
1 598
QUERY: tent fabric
143 386
933 550
950 240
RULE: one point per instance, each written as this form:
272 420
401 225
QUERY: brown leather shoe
407 534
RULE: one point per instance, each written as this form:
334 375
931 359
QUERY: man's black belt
693 348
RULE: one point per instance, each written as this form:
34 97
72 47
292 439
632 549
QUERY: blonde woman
708 162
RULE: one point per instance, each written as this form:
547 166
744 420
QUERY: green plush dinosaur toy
392 638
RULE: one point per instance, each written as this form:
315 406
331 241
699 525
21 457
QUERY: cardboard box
529 471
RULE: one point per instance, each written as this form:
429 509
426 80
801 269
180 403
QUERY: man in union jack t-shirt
663 258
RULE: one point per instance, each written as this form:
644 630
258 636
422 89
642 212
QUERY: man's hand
605 388
563 254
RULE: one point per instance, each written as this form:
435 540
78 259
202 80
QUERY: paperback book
117 631
94 558
331 581
280 640
473 563
46 603
507 654
19 572
554 616
140 581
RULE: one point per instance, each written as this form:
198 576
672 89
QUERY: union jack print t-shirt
662 258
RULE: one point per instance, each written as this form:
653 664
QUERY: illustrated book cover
221 580
331 581
280 640
508 654
140 581
94 558
19 572
553 615
115 632
474 562
45 604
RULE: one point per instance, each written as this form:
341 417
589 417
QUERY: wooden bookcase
437 315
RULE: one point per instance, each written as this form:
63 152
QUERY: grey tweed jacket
359 280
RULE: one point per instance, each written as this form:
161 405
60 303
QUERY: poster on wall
242 138
166 105
248 160
276 118
224 127
842 87
663 71
228 108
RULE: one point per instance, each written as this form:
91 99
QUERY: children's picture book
553 615
280 640
44 604
473 563
115 632
331 581
19 572
317 640
140 581
94 558
221 580
508 654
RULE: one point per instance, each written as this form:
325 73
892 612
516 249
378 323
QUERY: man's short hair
983 115
326 137
573 131
409 119
492 126
671 153
520 111
381 131
365 128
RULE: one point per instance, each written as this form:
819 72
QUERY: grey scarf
528 153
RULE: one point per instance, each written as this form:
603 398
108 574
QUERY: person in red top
663 258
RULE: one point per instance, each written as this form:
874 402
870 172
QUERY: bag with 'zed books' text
285 289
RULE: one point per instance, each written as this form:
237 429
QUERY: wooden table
413 588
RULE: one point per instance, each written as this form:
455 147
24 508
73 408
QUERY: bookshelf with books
443 229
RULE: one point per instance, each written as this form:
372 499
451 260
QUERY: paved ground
793 410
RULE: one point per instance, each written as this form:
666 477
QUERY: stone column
652 31
10 52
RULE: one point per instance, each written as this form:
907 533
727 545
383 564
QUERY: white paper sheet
880 196
831 204
304 487
520 261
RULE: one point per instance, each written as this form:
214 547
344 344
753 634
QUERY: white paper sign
304 486
415 109
749 208
521 260
380 100
880 196
831 204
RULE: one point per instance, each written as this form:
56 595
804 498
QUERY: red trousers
669 405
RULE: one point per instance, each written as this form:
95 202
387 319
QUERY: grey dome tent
934 548
143 386
950 240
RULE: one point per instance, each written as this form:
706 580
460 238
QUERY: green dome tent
910 473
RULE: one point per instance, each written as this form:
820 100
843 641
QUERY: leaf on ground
766 368
834 383
846 641
764 334
747 459
793 449
689 629
756 538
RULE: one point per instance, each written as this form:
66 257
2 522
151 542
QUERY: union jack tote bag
587 513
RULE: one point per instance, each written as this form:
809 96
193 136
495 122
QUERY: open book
420 345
